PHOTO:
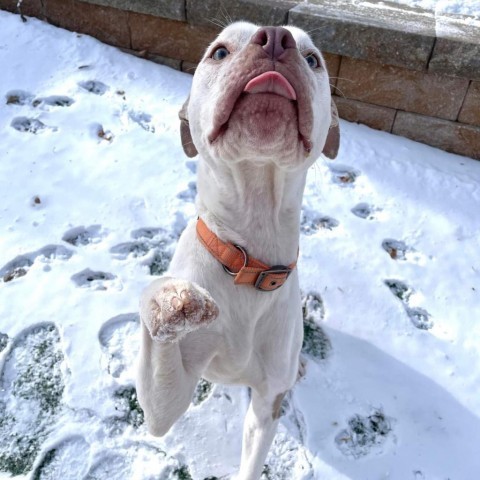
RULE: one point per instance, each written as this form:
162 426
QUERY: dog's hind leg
166 379
258 432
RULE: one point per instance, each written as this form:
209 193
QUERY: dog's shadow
369 415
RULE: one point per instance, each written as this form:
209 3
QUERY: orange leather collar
236 262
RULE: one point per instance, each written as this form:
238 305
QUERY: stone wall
393 68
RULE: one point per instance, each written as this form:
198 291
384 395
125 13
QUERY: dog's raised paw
176 308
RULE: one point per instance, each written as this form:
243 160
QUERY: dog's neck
257 207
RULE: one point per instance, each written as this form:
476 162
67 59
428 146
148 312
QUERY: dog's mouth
270 82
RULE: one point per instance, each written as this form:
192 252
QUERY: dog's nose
274 40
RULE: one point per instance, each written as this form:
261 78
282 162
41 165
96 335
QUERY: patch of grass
22 450
182 473
202 391
315 343
266 473
31 390
3 341
160 263
126 402
40 379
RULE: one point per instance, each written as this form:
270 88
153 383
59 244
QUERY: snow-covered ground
95 191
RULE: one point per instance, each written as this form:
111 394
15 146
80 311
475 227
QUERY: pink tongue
271 82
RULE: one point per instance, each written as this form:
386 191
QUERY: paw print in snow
420 318
153 245
19 97
30 125
19 266
311 222
343 175
53 101
81 236
364 435
94 86
94 280
68 460
119 340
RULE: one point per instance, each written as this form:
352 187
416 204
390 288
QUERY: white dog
259 114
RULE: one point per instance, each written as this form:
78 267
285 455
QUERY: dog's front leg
258 432
169 309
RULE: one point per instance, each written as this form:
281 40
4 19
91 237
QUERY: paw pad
178 308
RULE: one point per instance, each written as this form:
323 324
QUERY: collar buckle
273 278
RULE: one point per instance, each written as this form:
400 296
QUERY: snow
440 7
94 202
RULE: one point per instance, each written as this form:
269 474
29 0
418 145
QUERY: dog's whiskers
216 22
342 78
313 30
221 22
338 91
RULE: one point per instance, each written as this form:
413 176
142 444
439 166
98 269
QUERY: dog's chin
262 128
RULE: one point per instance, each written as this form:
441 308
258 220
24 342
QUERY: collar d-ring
245 261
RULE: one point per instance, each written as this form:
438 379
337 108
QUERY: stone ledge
457 49
390 36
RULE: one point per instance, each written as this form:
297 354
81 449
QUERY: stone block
457 49
8 5
29 8
221 13
402 89
470 112
379 118
60 13
173 9
169 38
391 34
450 136
109 25
333 66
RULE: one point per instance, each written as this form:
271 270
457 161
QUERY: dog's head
261 94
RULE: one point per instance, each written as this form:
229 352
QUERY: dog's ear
333 138
187 142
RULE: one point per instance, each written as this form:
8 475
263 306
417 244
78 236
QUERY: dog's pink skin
271 82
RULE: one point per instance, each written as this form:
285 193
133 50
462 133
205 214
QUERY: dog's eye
312 60
220 53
